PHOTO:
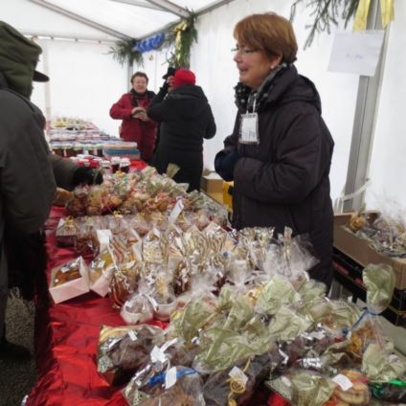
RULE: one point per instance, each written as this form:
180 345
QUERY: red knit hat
184 77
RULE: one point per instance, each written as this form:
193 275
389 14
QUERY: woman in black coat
185 119
280 152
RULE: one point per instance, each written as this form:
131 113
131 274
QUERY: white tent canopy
77 35
127 18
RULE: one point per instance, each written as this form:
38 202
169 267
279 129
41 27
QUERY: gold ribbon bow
361 15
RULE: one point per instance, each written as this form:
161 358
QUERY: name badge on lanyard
249 129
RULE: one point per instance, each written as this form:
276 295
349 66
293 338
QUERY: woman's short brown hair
269 32
139 74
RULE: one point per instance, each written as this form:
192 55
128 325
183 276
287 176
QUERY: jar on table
115 164
125 165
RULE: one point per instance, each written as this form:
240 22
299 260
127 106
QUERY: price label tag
170 377
343 382
179 206
238 375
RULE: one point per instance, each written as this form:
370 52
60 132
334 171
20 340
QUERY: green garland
326 13
179 38
123 52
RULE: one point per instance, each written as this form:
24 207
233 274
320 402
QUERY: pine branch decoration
123 51
326 13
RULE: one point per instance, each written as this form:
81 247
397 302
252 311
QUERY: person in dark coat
27 183
280 151
131 108
169 76
185 119
29 174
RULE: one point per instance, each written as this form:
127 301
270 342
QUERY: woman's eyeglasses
243 50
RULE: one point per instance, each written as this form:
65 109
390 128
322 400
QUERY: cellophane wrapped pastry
66 232
231 334
138 308
122 351
101 271
179 385
303 388
278 291
86 242
380 282
237 384
69 280
351 388
67 272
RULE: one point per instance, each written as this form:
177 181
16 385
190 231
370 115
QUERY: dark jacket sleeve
211 124
63 171
226 159
158 110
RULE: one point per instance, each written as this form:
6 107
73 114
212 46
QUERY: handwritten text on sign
356 52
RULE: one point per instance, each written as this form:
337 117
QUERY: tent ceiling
129 18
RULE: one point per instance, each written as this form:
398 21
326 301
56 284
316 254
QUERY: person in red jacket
136 125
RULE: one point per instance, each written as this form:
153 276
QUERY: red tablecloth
66 337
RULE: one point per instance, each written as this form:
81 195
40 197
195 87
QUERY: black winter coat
284 181
185 119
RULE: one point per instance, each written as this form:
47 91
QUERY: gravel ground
17 378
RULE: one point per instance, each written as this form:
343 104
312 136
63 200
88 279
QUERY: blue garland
149 44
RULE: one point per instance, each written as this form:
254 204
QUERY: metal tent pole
364 122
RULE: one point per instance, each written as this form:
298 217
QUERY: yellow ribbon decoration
387 12
237 386
179 28
361 15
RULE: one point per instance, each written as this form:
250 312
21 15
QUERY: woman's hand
138 112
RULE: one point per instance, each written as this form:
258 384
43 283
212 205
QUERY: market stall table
66 340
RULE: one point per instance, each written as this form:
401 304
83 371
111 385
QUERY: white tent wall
84 83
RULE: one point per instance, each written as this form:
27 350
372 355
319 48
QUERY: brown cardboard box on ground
212 183
360 251
347 242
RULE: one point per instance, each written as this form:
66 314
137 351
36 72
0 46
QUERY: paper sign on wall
356 52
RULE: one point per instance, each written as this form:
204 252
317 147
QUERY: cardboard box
359 249
347 242
349 274
212 183
72 288
228 195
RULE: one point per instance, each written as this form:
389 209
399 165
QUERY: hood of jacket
288 86
285 87
18 59
3 82
191 100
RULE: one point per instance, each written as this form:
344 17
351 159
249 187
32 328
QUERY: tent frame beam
81 19
201 12
161 5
